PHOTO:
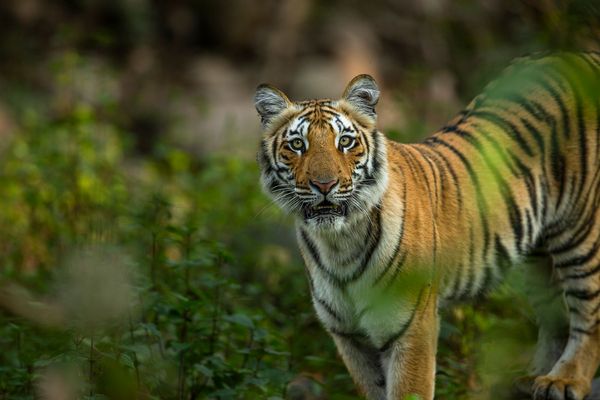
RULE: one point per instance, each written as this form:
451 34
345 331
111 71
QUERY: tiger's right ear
269 102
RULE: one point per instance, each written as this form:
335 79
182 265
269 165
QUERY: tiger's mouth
325 209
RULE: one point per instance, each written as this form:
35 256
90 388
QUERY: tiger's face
323 160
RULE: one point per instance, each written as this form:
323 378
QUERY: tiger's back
524 156
389 230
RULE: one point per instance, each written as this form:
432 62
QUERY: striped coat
390 231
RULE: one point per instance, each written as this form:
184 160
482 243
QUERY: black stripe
580 261
409 163
393 260
557 97
317 259
486 281
502 254
582 275
587 331
500 149
507 194
436 191
412 161
264 158
551 122
482 206
375 230
583 154
580 235
290 131
448 166
331 113
376 162
544 188
575 311
398 265
329 309
596 309
577 85
437 160
536 135
532 107
582 294
372 158
561 180
275 148
278 170
307 111
577 238
585 57
469 286
355 337
404 328
505 126
530 238
531 187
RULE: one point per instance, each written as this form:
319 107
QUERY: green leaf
240 319
207 372
274 352
127 361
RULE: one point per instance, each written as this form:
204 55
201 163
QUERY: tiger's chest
363 279
359 309
347 296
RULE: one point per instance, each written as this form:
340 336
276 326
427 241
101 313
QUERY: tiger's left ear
362 92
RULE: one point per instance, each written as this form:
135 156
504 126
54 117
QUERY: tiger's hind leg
546 298
577 264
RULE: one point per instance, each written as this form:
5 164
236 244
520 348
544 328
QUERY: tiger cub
390 231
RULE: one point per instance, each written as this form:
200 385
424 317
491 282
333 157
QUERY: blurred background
140 259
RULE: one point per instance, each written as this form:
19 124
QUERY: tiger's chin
326 223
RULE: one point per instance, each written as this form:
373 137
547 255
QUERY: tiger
391 232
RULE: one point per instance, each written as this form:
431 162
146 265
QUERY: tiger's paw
555 388
522 387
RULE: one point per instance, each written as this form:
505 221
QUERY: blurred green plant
120 285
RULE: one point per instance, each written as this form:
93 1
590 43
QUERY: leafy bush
135 292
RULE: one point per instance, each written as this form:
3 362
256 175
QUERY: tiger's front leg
410 360
364 364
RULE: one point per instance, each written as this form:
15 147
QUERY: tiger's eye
297 144
345 141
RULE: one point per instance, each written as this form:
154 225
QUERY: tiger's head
323 160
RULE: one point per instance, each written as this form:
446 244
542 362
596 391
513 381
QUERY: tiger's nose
324 187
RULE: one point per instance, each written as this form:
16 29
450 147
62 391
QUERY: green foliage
136 294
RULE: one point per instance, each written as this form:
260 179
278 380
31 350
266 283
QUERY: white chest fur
352 292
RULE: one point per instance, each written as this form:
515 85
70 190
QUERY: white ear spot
269 102
362 92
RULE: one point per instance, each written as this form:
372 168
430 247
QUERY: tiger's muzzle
325 209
